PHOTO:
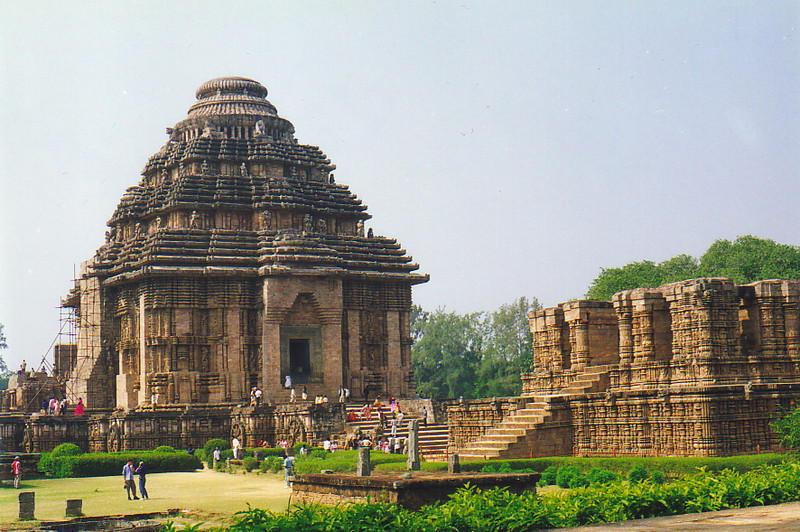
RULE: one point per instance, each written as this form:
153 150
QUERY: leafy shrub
110 464
249 463
637 474
598 475
565 474
548 476
164 449
489 469
578 481
475 510
271 464
318 453
657 476
787 426
66 449
212 444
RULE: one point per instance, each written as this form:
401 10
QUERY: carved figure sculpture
194 220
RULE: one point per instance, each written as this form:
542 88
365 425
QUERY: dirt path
778 517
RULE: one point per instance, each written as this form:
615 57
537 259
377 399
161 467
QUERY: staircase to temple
536 429
432 436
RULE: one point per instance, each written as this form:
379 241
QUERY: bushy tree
745 260
748 259
787 426
446 353
472 355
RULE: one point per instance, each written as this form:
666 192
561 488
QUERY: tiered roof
234 154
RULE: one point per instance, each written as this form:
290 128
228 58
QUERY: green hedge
674 466
476 511
110 464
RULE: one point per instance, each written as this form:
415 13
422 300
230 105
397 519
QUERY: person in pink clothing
79 407
16 470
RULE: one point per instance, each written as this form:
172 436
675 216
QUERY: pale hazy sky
513 148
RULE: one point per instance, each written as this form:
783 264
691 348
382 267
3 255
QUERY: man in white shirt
127 475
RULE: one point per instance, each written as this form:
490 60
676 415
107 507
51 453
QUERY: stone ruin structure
695 368
237 260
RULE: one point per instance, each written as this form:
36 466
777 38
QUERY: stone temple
699 367
238 260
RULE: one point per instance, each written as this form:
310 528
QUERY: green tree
472 355
787 427
446 352
745 260
642 274
748 259
508 349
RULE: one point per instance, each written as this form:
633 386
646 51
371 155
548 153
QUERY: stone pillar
27 505
74 508
363 466
644 348
412 464
625 336
453 465
580 332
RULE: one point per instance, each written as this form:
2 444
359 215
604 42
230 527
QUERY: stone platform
410 490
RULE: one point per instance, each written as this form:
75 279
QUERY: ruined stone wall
699 368
469 420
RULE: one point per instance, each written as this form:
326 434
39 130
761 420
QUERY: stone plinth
410 491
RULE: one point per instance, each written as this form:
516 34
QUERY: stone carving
187 295
696 367
370 234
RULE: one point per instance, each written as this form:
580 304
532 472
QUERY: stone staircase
432 436
534 430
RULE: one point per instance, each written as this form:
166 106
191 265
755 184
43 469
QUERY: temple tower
237 260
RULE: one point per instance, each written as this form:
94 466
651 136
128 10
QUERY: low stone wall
409 490
179 426
468 420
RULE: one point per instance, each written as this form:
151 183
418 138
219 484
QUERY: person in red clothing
79 407
16 470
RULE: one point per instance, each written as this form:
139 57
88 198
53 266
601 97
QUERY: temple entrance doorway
300 360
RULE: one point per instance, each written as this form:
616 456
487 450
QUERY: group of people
128 473
56 407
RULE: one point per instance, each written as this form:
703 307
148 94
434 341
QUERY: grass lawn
207 495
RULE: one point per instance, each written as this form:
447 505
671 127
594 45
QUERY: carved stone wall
179 427
695 368
236 260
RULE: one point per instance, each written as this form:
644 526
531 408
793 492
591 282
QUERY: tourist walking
142 472
217 457
288 466
127 476
16 470
235 445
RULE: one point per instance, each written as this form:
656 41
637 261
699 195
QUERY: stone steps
521 425
433 437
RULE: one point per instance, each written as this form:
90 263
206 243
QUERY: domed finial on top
231 85
231 96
